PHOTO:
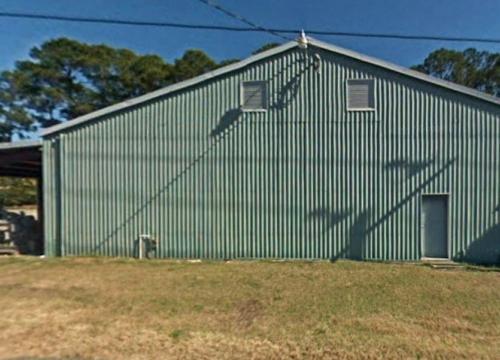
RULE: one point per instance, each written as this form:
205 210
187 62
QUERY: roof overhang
263 55
21 159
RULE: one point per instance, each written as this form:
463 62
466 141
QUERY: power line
109 21
406 37
241 18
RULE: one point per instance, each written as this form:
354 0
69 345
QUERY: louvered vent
360 94
254 95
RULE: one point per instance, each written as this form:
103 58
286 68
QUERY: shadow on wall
411 168
358 237
286 94
415 192
229 118
328 218
485 250
356 242
226 124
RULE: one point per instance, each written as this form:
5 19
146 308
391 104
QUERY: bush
17 191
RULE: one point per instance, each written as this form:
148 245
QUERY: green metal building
316 153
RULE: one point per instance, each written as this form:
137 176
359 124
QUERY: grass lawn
116 308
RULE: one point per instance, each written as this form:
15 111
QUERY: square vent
360 94
254 95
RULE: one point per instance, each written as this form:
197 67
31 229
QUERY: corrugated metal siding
306 179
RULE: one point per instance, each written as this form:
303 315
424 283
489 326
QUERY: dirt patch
248 312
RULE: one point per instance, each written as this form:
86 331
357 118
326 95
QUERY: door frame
447 196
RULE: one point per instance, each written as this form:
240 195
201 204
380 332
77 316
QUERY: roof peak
263 55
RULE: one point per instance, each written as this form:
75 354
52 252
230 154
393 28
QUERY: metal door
435 226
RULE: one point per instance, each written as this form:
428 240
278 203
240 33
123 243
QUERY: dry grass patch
115 308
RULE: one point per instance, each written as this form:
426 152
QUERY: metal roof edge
405 71
171 88
20 144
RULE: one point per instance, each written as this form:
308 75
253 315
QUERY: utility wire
110 21
242 19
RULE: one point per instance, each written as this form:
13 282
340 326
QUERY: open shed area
21 228
21 159
97 308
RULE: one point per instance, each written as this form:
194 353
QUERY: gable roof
263 55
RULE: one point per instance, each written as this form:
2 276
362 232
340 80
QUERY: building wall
306 179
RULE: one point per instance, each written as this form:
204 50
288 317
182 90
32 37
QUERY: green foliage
17 191
64 79
192 63
479 70
13 118
176 334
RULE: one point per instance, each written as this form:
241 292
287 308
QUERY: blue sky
469 18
